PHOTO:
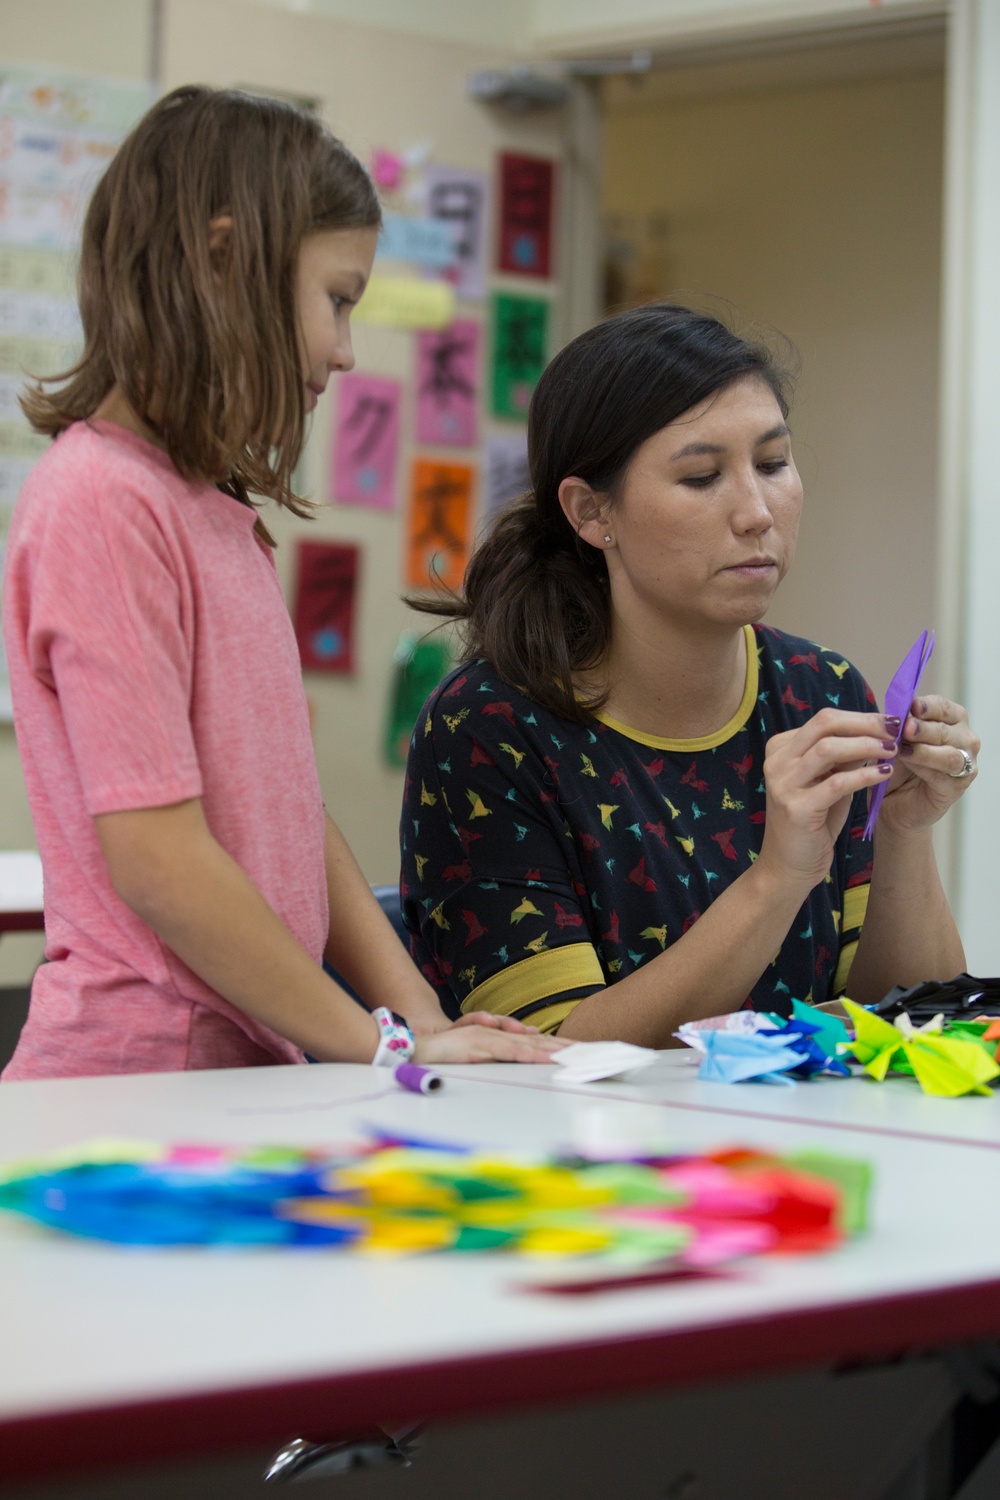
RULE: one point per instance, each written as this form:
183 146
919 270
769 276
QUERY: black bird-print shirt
543 860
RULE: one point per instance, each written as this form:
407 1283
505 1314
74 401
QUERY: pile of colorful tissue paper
380 1197
947 1057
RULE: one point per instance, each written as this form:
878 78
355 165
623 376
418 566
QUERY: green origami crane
948 1060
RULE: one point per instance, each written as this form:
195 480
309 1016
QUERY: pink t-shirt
152 660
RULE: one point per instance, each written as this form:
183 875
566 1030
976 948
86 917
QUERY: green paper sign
419 667
520 346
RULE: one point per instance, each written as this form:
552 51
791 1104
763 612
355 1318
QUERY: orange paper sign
439 524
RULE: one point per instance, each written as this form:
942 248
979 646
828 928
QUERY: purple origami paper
899 696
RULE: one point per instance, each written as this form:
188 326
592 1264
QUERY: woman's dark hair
535 600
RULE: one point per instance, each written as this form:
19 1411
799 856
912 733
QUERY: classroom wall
569 27
110 38
482 22
376 89
816 211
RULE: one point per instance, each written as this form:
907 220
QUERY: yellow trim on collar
551 972
705 741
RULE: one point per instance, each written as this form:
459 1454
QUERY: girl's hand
470 1041
926 779
811 774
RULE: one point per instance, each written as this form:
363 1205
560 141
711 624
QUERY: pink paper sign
448 384
366 442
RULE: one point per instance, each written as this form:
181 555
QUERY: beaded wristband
395 1039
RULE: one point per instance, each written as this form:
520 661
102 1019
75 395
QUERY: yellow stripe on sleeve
551 972
855 907
551 1017
844 967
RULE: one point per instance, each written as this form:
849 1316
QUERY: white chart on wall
57 134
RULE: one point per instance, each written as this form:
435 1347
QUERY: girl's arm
363 947
167 867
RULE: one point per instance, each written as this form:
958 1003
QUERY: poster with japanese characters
507 473
366 442
448 385
438 524
520 343
526 189
324 612
461 200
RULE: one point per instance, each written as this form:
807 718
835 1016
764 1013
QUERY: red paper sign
324 606
525 214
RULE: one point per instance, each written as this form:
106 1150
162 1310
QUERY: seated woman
635 806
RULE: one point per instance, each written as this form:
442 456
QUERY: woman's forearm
708 971
166 866
909 934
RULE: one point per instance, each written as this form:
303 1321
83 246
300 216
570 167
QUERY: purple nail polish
893 724
885 767
888 744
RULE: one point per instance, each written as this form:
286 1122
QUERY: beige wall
110 38
817 211
376 88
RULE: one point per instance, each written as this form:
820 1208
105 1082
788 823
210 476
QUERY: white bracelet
395 1039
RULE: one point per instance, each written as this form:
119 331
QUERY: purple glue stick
417 1080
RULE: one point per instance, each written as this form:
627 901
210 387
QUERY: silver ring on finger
969 765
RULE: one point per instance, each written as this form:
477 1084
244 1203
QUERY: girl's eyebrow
690 450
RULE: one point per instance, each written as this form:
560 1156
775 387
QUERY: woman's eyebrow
691 450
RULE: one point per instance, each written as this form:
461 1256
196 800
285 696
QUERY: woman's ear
584 511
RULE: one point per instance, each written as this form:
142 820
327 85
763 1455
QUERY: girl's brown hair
535 600
205 348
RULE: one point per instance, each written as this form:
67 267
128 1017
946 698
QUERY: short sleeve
108 619
491 889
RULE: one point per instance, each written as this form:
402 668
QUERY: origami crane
898 700
757 1045
947 1060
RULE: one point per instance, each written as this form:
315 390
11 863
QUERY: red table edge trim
323 1408
22 921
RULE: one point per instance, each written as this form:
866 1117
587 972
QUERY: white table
21 906
113 1357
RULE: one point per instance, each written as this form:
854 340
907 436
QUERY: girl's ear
584 511
220 231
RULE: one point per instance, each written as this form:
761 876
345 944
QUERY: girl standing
193 880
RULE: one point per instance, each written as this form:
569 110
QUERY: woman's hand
433 1021
811 774
927 777
474 1039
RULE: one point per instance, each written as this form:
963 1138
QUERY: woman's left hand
431 1021
931 771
